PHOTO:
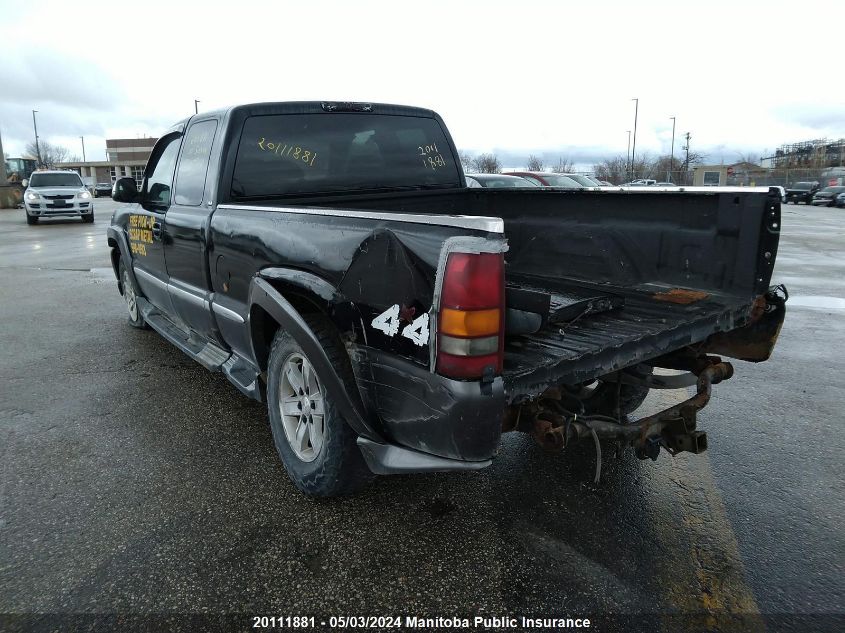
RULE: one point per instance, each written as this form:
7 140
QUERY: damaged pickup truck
330 261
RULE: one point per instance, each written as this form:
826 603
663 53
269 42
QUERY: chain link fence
762 177
786 177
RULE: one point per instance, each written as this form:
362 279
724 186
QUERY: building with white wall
126 157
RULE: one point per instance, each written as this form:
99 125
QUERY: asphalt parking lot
133 481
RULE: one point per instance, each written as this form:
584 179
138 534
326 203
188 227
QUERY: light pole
672 158
196 107
37 147
82 138
634 148
628 158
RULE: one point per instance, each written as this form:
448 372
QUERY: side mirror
124 190
25 183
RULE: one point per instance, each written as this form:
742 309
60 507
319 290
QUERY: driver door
146 226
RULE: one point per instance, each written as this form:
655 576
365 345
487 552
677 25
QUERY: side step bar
206 354
214 358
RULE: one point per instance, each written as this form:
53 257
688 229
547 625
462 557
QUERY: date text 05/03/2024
416 622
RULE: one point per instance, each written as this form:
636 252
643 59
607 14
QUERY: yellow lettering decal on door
140 233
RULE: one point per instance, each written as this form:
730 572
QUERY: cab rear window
321 153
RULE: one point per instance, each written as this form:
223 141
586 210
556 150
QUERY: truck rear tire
317 447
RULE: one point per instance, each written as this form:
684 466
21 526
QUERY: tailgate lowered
755 341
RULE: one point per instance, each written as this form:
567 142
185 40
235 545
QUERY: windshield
495 182
832 190
806 186
583 180
70 179
320 153
557 180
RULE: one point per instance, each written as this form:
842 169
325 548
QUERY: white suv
55 194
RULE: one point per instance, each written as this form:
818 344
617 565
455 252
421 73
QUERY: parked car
802 192
102 189
640 182
584 180
665 184
827 196
840 200
366 298
57 194
498 181
548 179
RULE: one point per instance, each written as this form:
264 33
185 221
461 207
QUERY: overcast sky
551 78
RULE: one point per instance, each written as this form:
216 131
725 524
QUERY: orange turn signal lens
469 322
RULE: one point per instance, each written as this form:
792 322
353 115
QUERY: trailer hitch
554 426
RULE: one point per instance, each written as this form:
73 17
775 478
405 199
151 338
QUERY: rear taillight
470 329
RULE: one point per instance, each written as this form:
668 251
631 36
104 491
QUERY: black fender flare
125 254
264 295
311 283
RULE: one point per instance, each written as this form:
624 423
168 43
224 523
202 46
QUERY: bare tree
534 163
691 159
619 169
487 164
467 160
613 170
643 167
564 166
747 157
50 154
666 168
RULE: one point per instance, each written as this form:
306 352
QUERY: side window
160 175
193 166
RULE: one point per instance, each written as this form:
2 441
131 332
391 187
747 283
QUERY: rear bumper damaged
436 424
424 413
755 341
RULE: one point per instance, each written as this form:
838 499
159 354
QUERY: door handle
157 230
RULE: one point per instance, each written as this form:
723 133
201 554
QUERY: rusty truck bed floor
653 321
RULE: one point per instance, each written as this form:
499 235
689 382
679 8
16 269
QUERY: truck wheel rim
302 407
129 296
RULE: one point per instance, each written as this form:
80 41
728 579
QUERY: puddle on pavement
825 303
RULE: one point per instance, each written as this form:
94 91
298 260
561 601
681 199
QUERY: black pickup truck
329 259
802 192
